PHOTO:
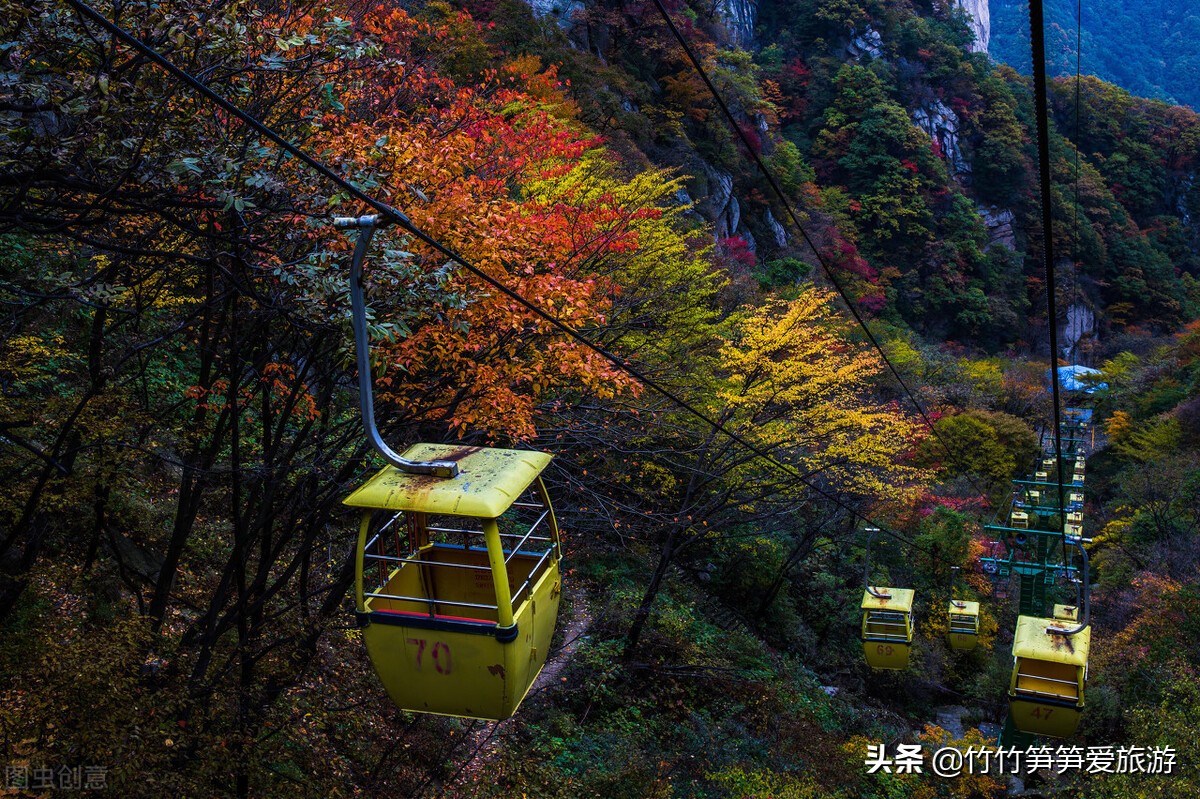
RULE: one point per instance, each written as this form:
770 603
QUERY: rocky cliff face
867 43
717 204
715 199
778 233
981 22
941 123
564 12
1179 190
1080 324
739 17
999 224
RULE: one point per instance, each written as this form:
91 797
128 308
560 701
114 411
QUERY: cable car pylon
1050 652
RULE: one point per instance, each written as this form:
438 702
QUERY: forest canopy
179 420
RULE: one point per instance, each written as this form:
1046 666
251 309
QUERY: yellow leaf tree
795 384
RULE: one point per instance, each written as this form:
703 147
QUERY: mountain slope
1147 47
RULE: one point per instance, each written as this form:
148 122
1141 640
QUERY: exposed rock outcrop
1080 324
1180 188
777 230
999 223
867 43
738 17
941 123
748 237
718 205
563 12
981 22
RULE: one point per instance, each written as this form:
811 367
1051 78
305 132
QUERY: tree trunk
642 615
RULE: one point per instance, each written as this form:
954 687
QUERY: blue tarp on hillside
1080 378
1083 415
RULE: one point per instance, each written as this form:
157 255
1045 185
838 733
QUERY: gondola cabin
1020 519
964 625
457 580
1045 696
1075 500
887 627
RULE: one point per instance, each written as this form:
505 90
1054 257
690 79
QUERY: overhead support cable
1041 103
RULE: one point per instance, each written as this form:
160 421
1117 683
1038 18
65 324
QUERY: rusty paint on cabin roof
1032 641
899 599
488 482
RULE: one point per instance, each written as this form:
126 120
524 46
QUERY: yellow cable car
964 625
457 580
1050 662
887 624
1046 693
1020 519
887 627
464 558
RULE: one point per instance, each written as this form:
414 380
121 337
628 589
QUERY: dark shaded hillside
1148 47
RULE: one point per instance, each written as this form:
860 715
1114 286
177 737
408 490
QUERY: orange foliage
1154 635
459 160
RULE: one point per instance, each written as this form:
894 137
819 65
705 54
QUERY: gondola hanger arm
366 227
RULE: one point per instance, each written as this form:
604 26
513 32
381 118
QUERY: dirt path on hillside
486 738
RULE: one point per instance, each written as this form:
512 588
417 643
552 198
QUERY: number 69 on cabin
887 627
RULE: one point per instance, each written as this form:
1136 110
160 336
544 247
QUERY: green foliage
1000 166
741 783
785 271
1159 437
788 167
1147 48
79 698
945 535
990 444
